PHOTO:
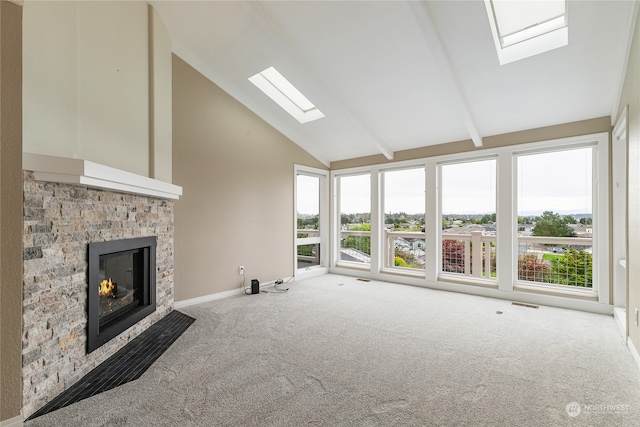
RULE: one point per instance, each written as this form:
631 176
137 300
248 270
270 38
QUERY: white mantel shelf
83 172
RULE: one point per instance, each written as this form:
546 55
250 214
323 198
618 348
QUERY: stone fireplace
67 228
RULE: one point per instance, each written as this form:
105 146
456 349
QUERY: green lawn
549 257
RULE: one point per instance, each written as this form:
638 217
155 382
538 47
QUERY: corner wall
237 175
630 98
10 211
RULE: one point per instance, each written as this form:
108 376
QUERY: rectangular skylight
524 28
283 93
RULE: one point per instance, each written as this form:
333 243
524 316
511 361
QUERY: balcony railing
355 246
304 233
308 255
548 260
556 260
460 252
404 249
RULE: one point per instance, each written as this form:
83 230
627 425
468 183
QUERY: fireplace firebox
122 287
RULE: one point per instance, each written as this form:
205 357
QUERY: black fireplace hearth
122 287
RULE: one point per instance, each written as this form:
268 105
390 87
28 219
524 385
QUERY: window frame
382 183
492 282
597 223
539 42
324 223
336 221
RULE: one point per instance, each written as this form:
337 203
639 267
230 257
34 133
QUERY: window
526 28
490 221
404 219
468 216
311 218
286 95
555 217
355 218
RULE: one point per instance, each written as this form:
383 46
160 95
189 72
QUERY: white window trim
324 223
506 224
529 47
335 260
452 276
419 273
600 211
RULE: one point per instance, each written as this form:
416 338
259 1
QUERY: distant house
581 230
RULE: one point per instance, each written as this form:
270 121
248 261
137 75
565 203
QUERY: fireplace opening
121 287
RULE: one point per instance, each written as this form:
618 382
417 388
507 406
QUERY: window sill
354 265
414 273
588 295
491 284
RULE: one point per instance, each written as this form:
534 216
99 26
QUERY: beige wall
97 84
631 99
10 210
160 165
584 127
237 176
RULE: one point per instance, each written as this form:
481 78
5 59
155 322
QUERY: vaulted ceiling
396 75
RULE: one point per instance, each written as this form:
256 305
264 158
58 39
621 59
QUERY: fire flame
105 287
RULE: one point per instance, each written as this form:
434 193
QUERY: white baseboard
312 272
621 320
207 298
219 295
634 352
13 422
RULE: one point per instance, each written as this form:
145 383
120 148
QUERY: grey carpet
335 351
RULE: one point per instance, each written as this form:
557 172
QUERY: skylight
283 93
524 28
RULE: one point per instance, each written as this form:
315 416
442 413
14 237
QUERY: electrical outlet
241 270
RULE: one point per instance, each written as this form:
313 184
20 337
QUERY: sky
557 181
308 195
469 188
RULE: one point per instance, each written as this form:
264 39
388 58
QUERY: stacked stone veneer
59 222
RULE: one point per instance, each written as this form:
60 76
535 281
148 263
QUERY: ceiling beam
431 36
272 28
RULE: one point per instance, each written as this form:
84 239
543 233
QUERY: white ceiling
395 75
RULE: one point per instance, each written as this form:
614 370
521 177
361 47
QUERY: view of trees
405 259
552 224
308 221
401 219
361 243
355 218
574 267
487 219
532 268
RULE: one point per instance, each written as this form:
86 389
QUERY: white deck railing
477 246
458 258
308 255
